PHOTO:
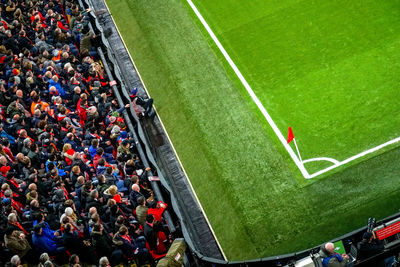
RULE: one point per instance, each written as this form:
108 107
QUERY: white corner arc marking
334 161
250 91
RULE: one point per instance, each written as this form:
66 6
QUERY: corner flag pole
298 152
290 139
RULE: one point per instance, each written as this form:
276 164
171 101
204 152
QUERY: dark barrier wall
186 218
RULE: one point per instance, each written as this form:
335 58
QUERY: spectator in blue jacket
45 240
4 134
57 86
332 259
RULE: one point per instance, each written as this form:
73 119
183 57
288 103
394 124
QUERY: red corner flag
290 135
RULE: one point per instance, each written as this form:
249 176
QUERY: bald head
3 160
330 247
23 133
19 156
135 187
19 94
37 113
92 210
32 186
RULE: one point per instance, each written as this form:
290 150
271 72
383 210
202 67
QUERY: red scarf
17 224
65 193
127 238
17 206
14 183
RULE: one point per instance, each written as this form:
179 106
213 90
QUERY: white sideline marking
251 92
299 163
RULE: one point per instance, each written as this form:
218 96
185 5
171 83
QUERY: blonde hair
66 147
113 190
75 169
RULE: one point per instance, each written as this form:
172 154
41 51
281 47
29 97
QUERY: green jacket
141 213
17 245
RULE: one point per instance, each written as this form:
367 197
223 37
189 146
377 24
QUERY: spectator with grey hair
332 259
94 201
14 224
27 146
103 262
43 258
11 42
15 261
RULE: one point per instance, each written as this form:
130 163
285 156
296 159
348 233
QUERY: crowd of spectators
72 185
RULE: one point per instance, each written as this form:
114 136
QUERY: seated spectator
14 224
103 262
69 153
15 261
332 259
94 201
16 242
101 241
370 246
72 241
135 194
46 241
123 241
74 261
43 258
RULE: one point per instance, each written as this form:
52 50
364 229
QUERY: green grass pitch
328 69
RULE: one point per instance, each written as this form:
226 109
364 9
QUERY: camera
371 224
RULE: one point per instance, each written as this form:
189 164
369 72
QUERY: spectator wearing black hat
370 246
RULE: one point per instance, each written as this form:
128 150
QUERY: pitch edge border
169 139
